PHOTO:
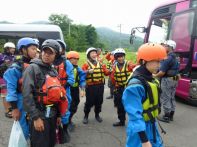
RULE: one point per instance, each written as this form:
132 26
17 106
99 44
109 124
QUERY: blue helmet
62 43
25 42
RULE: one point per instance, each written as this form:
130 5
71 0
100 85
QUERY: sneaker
98 118
85 120
118 124
71 126
109 97
164 118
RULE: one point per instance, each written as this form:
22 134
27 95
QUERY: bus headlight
193 89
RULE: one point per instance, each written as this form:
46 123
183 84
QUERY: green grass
130 56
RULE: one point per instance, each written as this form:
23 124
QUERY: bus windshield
159 30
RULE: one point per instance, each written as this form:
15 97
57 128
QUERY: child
119 76
141 98
80 81
95 83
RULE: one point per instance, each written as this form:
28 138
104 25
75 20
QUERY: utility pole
120 34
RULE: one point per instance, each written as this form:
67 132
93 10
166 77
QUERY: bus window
181 30
159 30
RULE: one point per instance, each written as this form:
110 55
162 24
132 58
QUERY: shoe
171 115
66 134
165 118
117 124
71 126
8 114
109 97
98 118
85 120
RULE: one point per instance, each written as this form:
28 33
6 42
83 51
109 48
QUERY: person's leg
89 102
166 99
75 101
99 91
120 109
173 101
40 139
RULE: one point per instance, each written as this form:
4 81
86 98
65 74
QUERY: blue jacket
69 71
132 101
11 76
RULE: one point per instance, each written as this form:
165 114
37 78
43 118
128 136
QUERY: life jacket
173 69
61 69
76 77
52 92
20 81
21 66
97 76
121 76
151 104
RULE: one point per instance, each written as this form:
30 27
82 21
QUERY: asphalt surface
181 132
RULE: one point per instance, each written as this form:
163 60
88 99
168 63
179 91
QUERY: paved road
180 133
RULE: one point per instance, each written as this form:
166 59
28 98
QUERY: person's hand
146 144
39 125
59 121
16 114
90 70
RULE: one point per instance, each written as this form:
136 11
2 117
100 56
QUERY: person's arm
70 73
12 76
133 106
112 76
82 77
28 90
85 69
164 66
105 70
131 66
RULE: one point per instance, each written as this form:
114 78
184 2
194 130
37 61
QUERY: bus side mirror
132 37
133 31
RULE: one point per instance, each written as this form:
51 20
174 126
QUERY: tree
62 21
77 37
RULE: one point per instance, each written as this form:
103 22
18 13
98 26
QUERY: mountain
111 39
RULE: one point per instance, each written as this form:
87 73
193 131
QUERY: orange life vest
20 81
52 92
62 73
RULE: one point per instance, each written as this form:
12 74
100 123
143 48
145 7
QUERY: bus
177 20
13 32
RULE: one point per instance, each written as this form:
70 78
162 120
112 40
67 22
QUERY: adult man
168 73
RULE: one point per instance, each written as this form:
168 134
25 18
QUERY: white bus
13 32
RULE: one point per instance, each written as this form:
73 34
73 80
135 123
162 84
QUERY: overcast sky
99 13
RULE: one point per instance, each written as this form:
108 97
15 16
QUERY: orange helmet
72 54
151 51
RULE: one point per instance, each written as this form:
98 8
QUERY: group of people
43 92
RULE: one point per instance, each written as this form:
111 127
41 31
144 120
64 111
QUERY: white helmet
9 45
119 51
170 43
90 49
